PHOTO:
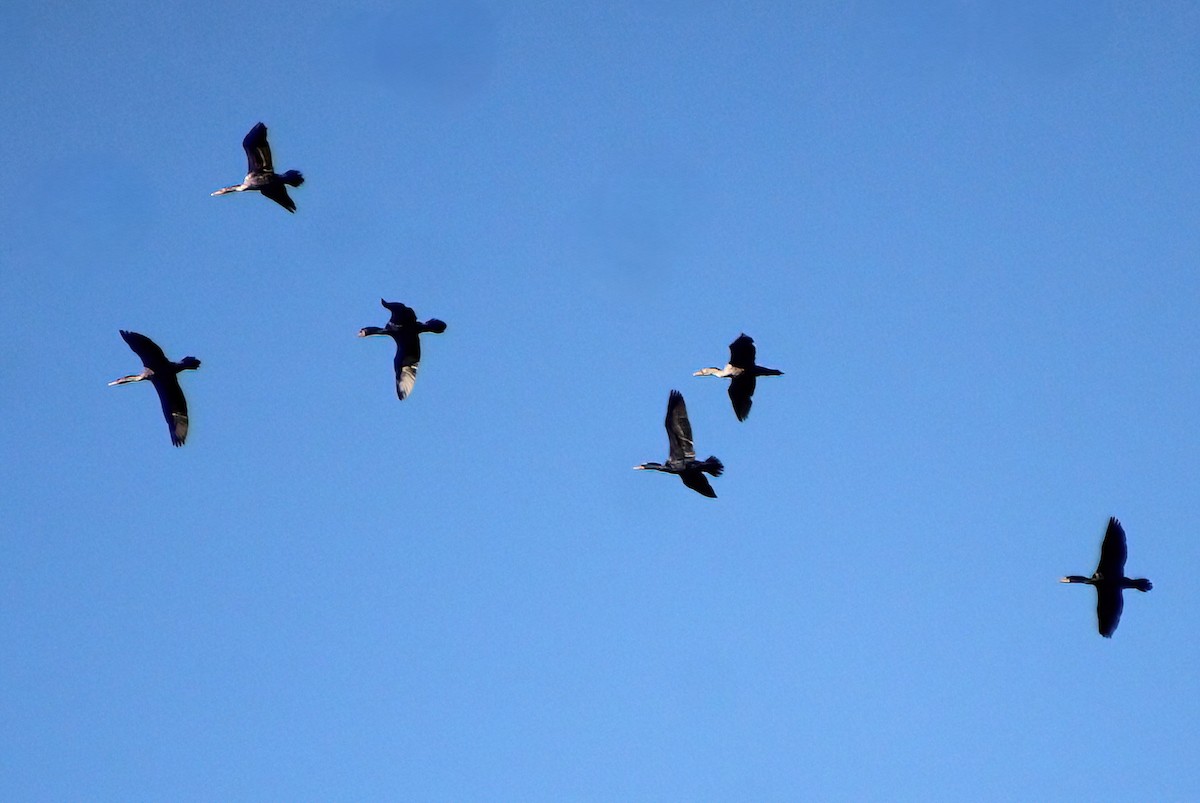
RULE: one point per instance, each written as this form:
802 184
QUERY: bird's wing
402 314
742 352
279 194
1113 552
698 483
741 388
406 377
679 430
258 152
408 346
1109 602
147 350
408 354
174 406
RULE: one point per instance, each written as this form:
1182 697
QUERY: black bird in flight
742 373
682 458
163 374
406 330
1110 580
261 175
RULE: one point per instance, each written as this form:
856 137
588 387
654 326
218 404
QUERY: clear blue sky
967 232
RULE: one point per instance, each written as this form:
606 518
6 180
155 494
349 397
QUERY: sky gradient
966 232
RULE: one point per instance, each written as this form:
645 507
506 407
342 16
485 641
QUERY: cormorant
261 176
163 374
1110 580
405 329
682 459
743 374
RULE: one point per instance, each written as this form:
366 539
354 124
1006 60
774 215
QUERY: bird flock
405 329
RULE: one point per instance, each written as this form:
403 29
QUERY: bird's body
682 457
406 330
742 373
261 175
163 374
1109 579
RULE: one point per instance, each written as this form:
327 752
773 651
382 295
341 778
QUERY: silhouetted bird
742 374
406 330
682 459
261 175
1110 580
163 374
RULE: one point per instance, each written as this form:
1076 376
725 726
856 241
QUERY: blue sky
965 231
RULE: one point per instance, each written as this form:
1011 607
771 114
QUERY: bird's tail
1142 584
292 178
712 466
189 364
768 372
435 326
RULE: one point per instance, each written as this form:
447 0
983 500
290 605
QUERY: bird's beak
1064 580
638 468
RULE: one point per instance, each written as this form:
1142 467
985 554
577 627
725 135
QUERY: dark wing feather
1109 602
258 152
147 350
408 355
1113 553
742 352
402 314
174 406
698 483
741 388
679 429
279 194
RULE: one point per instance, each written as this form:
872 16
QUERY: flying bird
742 373
682 459
406 330
260 175
163 374
1110 580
